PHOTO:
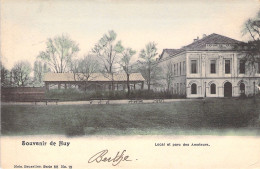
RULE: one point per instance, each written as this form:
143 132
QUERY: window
193 66
242 88
212 88
213 66
177 68
193 88
174 70
184 67
258 71
177 88
180 68
227 66
242 66
184 88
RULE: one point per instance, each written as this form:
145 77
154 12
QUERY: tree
84 69
21 73
125 64
39 71
251 29
59 53
169 74
148 65
5 76
108 51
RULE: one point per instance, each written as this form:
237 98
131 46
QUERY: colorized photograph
128 68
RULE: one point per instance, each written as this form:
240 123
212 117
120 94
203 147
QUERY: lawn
211 116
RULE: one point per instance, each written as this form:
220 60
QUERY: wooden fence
22 93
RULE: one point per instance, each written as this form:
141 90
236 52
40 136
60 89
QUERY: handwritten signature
102 157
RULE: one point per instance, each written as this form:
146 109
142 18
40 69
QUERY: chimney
194 40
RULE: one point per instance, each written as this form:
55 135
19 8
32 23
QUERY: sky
27 24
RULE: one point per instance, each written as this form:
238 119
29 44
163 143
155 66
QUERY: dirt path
94 102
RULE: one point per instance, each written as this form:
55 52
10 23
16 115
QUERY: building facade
209 67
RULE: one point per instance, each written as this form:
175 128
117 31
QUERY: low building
209 67
93 81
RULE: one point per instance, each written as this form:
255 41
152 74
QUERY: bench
46 101
158 100
135 101
99 100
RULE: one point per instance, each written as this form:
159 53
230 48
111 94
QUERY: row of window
213 88
179 88
179 68
213 66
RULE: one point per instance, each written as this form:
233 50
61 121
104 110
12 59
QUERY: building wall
204 86
178 82
204 78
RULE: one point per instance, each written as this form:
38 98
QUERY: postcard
130 84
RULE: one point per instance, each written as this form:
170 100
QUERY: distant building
93 81
210 67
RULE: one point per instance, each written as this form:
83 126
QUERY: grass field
211 116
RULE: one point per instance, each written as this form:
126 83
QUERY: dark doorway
193 88
242 88
227 89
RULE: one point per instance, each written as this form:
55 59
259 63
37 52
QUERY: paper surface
223 152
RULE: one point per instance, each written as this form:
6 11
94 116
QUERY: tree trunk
149 77
128 85
111 86
149 84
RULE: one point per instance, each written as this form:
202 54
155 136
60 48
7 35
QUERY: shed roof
100 77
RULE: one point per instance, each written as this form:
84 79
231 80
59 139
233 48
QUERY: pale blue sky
26 24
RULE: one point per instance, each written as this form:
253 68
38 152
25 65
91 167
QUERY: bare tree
84 69
21 73
5 76
251 29
108 51
39 70
169 74
125 64
148 65
59 53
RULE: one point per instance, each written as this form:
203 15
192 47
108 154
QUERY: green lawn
213 116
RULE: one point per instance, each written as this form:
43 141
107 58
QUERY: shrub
76 95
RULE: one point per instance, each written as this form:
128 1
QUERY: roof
70 77
201 44
210 39
171 52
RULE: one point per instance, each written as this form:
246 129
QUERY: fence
22 93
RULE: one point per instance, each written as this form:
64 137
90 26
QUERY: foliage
125 64
59 53
168 74
76 95
5 76
148 65
251 29
39 70
108 51
21 73
84 69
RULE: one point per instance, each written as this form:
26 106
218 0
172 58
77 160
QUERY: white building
209 67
